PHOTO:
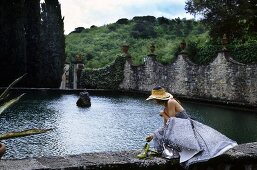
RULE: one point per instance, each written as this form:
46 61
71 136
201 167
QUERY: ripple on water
112 123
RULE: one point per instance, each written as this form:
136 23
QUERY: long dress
192 140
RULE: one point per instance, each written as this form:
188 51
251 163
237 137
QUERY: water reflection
112 123
238 125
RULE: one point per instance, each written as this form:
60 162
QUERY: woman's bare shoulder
172 101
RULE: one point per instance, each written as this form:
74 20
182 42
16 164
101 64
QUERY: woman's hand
165 116
162 113
149 138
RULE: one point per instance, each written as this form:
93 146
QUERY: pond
112 123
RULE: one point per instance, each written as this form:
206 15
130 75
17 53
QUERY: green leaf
5 93
9 103
24 133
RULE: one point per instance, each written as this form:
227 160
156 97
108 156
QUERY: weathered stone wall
223 79
242 157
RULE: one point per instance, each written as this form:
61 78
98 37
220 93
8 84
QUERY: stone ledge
241 157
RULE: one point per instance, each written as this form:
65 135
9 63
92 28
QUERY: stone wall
242 157
224 79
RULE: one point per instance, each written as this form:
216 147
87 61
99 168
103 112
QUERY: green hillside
99 46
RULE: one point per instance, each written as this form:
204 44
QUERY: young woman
182 136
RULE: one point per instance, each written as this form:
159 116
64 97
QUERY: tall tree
12 40
52 44
236 18
32 34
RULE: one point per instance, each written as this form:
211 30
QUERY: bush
143 30
244 53
163 21
93 26
205 54
112 27
123 21
150 19
108 77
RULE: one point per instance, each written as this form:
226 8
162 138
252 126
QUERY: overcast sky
100 12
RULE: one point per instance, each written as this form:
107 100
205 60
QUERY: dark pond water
112 123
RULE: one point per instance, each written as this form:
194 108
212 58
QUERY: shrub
244 53
143 30
150 19
123 21
108 77
163 21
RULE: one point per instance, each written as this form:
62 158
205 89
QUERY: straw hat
160 94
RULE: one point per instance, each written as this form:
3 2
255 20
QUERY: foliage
29 132
235 18
100 46
143 30
148 18
163 20
108 77
204 53
6 103
31 41
78 30
123 21
244 53
52 45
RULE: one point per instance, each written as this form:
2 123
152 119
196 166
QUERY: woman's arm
165 116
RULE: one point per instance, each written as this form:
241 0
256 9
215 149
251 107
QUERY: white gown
194 141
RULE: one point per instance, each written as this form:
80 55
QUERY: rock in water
84 100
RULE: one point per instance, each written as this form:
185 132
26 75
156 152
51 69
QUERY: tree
52 44
163 21
143 30
123 21
236 18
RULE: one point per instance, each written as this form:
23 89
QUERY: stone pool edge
243 156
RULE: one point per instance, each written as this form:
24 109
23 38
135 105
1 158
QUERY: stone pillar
152 52
65 76
224 42
183 48
125 53
75 78
77 69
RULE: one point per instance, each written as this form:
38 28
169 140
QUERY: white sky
85 13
